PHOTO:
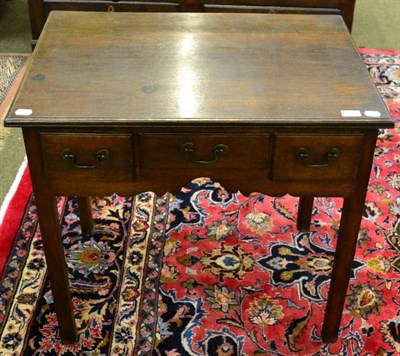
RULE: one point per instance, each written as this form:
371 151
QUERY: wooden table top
203 68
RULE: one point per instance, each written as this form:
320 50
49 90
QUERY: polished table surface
231 68
125 102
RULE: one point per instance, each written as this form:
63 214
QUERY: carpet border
12 211
378 51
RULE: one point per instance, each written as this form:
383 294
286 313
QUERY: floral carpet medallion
209 272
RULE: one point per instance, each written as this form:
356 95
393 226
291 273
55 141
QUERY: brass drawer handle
190 150
304 155
69 156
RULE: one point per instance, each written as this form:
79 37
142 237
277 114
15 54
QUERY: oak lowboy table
129 102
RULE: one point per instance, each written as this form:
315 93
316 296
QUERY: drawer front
316 157
268 9
163 151
94 157
123 6
275 6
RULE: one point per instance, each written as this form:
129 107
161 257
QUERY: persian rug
212 272
10 66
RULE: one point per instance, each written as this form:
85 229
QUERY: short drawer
269 9
118 6
93 157
181 151
316 157
275 6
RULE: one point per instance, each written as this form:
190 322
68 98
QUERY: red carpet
11 220
209 272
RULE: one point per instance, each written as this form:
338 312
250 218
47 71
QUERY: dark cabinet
40 9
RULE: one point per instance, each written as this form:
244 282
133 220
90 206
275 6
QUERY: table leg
304 213
85 214
350 221
345 249
57 270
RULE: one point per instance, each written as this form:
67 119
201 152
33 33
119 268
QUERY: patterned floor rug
11 71
10 66
209 272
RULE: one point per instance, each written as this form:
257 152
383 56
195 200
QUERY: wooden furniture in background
39 10
127 102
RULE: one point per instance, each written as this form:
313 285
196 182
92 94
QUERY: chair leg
85 214
304 213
